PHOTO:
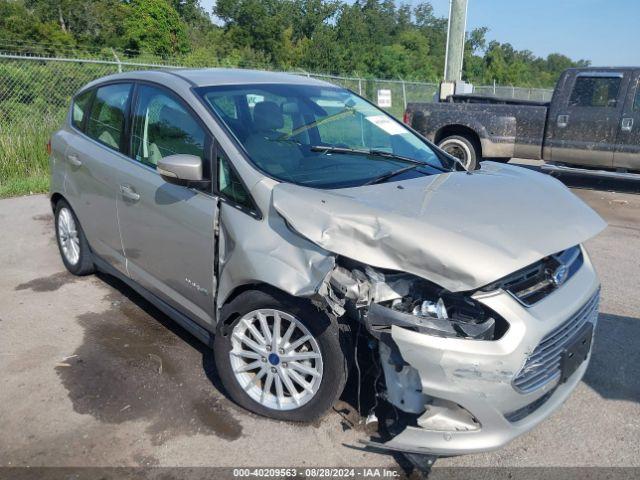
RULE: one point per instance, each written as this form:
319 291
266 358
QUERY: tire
462 148
72 242
330 368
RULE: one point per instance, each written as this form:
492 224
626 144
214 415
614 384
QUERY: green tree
372 38
155 26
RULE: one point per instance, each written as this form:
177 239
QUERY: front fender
266 251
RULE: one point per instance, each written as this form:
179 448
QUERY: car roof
212 76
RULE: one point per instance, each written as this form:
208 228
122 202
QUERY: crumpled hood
461 231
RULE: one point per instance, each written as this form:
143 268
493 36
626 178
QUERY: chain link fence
35 92
518 93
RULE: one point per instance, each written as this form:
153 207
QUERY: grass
15 187
24 163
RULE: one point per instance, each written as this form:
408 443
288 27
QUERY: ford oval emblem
560 275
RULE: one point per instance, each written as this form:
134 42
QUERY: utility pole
455 47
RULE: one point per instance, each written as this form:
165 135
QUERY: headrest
267 116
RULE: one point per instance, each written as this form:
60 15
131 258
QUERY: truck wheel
280 357
462 148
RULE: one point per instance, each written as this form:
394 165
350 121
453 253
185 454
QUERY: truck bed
494 100
504 128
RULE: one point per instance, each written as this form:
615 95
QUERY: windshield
323 137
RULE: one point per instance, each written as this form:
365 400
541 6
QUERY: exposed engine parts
381 299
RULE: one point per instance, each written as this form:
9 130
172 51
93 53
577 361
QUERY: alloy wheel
68 236
275 359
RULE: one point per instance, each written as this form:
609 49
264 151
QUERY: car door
168 230
627 154
586 125
94 158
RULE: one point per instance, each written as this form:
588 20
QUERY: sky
606 32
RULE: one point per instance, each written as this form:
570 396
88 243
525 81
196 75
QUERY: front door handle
627 124
563 121
73 159
128 192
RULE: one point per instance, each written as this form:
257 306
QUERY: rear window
80 107
595 92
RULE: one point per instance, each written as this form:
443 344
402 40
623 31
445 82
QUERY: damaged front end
447 360
381 299
469 313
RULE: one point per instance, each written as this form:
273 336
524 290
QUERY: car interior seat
265 145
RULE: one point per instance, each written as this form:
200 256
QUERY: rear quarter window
106 122
80 108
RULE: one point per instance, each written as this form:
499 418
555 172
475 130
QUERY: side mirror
181 169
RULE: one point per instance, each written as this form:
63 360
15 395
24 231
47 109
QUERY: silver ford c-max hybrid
273 216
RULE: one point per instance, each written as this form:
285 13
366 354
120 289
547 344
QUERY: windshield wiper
369 152
388 175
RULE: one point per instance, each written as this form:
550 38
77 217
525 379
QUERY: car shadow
614 371
208 363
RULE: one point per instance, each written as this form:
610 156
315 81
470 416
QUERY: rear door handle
627 124
563 121
127 191
73 159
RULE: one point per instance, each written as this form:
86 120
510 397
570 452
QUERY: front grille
543 366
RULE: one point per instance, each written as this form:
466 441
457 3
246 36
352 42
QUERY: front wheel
462 148
280 357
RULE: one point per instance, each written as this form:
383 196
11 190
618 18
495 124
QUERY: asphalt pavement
92 375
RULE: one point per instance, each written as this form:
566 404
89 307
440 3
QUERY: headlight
385 298
449 316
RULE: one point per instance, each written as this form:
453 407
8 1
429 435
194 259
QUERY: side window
229 185
162 127
80 106
636 102
106 121
595 92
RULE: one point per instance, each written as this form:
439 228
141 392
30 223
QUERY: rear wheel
280 357
72 243
462 148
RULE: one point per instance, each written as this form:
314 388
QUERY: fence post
360 86
117 60
404 94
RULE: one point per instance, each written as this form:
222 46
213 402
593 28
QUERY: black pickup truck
592 121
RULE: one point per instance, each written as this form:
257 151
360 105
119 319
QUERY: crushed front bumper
473 405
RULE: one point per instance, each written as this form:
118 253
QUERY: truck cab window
595 92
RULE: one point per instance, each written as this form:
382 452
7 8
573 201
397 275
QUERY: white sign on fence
384 98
